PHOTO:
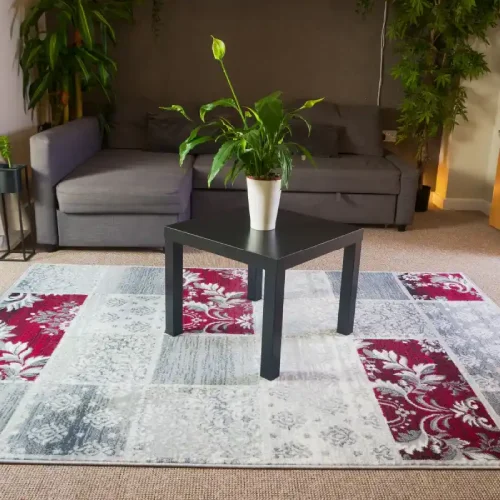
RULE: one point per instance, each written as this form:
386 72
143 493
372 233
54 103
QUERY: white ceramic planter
263 203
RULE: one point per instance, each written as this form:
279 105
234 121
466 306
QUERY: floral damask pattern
215 301
439 286
31 327
472 332
416 384
432 411
204 425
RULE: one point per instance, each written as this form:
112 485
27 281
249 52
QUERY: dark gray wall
307 49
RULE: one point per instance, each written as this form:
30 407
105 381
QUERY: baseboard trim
466 204
437 200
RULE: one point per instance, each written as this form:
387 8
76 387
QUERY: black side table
15 181
296 239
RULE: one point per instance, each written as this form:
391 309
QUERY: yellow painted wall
495 205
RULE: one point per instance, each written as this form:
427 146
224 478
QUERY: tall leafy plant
72 55
435 42
261 145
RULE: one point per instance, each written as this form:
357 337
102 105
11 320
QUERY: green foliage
5 149
218 49
434 39
76 44
261 147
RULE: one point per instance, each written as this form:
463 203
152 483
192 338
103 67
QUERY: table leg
349 289
173 287
254 291
272 324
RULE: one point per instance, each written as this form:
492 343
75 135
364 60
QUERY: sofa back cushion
322 142
360 130
166 132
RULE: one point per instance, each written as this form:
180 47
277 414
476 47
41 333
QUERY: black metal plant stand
15 181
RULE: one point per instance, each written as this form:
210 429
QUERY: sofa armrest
405 208
54 154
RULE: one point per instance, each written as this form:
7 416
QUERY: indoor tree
71 54
435 43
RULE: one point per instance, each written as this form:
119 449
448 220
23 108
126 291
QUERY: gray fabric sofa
86 196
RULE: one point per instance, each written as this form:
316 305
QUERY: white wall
14 122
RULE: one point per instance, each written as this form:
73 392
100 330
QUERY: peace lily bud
218 48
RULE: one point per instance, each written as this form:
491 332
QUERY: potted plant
10 175
71 56
261 146
434 41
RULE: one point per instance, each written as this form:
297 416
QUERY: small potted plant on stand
10 175
11 182
261 146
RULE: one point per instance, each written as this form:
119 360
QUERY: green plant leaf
225 103
84 25
192 137
101 56
187 146
252 138
225 153
236 169
305 152
252 113
53 49
105 89
103 75
271 113
309 104
106 23
38 89
83 68
26 86
5 149
31 20
218 48
286 164
179 109
119 10
31 56
299 117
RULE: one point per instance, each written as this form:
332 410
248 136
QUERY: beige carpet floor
439 241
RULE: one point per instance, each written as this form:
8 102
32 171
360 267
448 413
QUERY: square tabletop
296 239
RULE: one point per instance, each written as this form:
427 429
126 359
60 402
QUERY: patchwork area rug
88 376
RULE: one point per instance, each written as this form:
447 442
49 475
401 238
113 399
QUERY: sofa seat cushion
345 174
127 181
201 169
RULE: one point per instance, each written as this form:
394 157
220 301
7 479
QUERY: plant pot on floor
423 195
263 203
11 179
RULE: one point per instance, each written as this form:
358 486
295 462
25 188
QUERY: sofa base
47 248
350 208
114 230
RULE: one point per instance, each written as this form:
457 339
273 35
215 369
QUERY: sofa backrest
166 130
360 130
